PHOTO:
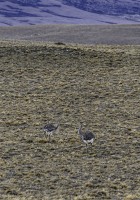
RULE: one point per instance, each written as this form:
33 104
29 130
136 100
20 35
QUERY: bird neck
80 131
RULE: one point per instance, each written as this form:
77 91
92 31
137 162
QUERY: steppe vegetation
80 34
98 85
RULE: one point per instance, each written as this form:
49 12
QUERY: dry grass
83 34
98 85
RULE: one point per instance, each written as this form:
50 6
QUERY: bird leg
49 137
87 147
91 145
45 134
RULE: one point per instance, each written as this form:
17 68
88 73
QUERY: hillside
21 12
111 7
96 85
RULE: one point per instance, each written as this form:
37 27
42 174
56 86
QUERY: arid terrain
76 34
98 85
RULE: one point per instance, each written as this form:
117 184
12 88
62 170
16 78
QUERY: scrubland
98 85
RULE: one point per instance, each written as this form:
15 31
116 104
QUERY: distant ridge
33 12
110 7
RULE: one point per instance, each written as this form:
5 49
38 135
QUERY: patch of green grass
98 85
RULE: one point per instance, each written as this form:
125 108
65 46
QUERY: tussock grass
98 85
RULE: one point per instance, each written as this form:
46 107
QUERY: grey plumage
87 137
50 129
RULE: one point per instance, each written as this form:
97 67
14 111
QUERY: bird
50 129
87 137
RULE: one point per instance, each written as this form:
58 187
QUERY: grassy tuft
96 85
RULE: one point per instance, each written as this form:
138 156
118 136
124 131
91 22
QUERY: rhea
87 137
50 129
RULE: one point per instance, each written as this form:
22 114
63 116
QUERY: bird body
50 129
87 137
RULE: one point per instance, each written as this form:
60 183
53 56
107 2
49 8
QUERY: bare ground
98 85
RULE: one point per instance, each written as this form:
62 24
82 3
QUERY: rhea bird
50 129
87 137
